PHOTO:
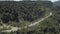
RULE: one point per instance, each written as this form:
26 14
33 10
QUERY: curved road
19 28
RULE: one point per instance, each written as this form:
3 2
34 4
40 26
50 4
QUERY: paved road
33 24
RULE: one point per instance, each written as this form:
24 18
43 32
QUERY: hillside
23 11
20 14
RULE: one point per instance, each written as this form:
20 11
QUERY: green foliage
26 11
30 11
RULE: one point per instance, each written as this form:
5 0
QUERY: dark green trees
9 16
26 11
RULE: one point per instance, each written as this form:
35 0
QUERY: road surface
33 24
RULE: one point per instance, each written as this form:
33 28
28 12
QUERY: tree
5 18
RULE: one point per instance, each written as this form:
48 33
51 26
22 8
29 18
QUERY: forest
16 12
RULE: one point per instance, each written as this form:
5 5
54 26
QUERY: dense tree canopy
30 11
